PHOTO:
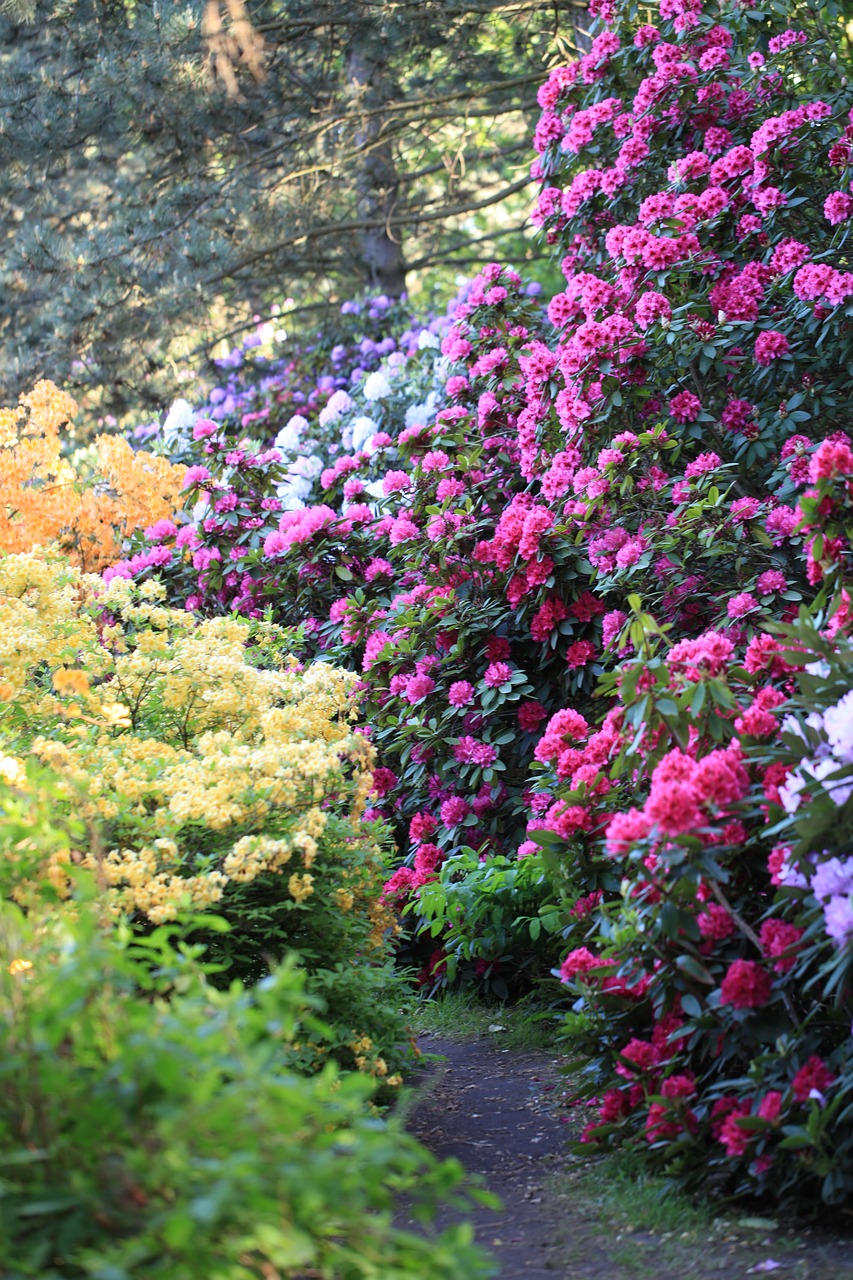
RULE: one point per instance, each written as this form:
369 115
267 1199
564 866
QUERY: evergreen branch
399 220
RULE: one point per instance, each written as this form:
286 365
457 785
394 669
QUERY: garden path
499 1112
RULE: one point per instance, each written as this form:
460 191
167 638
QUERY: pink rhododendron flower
384 780
161 530
418 688
641 1057
838 207
769 346
421 826
453 811
497 673
195 475
702 464
612 626
741 604
652 307
779 941
771 580
831 458
579 654
400 885
814 1074
396 482
715 923
579 961
460 693
747 985
685 407
732 1136
530 715
403 529
624 830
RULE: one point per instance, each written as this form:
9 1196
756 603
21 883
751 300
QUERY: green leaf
697 700
692 967
691 1005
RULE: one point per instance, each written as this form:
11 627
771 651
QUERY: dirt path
485 1107
494 1110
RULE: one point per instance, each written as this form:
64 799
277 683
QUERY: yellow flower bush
44 500
200 756
187 766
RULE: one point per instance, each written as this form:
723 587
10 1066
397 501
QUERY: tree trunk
377 180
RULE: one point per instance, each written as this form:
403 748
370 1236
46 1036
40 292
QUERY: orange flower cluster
43 500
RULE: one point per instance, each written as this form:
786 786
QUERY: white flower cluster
830 760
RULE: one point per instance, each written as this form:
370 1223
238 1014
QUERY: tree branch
340 228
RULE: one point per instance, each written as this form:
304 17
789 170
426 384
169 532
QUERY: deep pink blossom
814 1074
747 985
580 961
685 407
497 673
838 207
453 811
769 346
460 693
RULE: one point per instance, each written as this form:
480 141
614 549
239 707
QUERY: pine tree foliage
166 166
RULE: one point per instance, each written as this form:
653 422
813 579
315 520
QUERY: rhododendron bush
558 555
707 951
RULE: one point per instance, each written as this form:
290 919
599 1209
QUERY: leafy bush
712 985
491 922
153 1125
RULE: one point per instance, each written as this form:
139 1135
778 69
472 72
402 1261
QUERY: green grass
627 1197
459 1016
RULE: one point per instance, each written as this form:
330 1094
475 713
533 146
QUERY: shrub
490 921
712 986
44 498
203 768
152 1124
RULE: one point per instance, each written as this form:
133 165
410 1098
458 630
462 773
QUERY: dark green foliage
166 169
346 953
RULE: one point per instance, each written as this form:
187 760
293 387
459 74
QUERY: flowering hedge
209 771
573 552
716 1008
710 995
437 651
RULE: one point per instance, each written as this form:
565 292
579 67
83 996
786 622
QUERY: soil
498 1111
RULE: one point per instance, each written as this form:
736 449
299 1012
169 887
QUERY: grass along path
494 1099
